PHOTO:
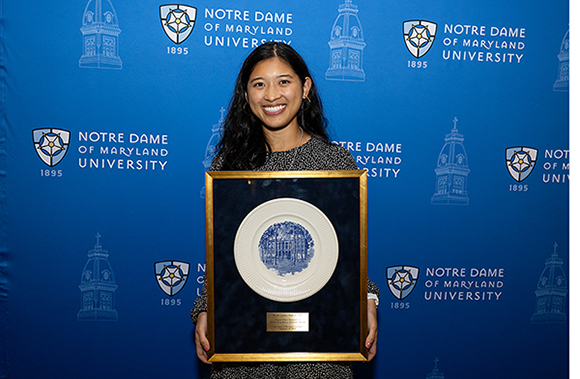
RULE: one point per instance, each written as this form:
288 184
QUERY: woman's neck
286 139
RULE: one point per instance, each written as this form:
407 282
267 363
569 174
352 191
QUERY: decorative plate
286 249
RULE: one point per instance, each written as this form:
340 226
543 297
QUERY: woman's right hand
201 341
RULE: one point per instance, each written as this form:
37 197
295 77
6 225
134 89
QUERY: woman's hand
372 325
201 341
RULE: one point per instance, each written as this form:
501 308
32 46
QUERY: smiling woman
275 107
275 122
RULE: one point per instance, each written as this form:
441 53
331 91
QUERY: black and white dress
315 154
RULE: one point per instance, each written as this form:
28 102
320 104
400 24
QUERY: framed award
286 265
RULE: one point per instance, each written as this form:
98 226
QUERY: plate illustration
286 249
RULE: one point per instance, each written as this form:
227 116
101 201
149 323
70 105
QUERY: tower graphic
210 149
563 81
100 36
452 170
97 287
551 292
435 374
346 45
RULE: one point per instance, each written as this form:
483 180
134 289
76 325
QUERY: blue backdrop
458 110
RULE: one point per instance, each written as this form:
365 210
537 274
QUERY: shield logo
171 276
419 36
51 144
520 161
177 21
402 280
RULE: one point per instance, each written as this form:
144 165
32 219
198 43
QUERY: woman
275 123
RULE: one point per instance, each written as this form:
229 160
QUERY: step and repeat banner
458 110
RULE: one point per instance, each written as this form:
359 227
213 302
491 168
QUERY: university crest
402 280
51 144
419 36
171 276
177 21
520 161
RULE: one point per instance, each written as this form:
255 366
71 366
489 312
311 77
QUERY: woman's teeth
274 109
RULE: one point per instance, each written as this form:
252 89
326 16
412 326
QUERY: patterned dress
315 154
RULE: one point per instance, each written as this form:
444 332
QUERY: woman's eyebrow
278 77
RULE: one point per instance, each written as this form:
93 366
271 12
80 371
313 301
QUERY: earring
302 107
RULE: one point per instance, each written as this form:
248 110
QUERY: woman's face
275 93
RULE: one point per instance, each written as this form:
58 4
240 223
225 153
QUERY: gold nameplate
287 322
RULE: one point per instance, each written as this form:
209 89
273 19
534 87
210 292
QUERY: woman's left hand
372 325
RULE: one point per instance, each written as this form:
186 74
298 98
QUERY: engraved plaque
287 322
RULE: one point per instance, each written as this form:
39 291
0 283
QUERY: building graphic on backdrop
419 36
551 292
51 144
98 287
346 45
177 21
171 276
451 172
435 373
100 36
210 149
563 81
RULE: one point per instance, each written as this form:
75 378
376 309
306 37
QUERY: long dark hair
243 145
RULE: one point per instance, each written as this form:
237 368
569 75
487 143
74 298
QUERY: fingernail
206 348
368 345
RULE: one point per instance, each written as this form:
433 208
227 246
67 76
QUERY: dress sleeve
200 304
373 289
340 159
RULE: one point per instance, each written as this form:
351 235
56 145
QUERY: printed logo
171 276
51 144
419 36
177 21
402 280
520 161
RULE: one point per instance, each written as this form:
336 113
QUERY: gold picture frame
329 324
